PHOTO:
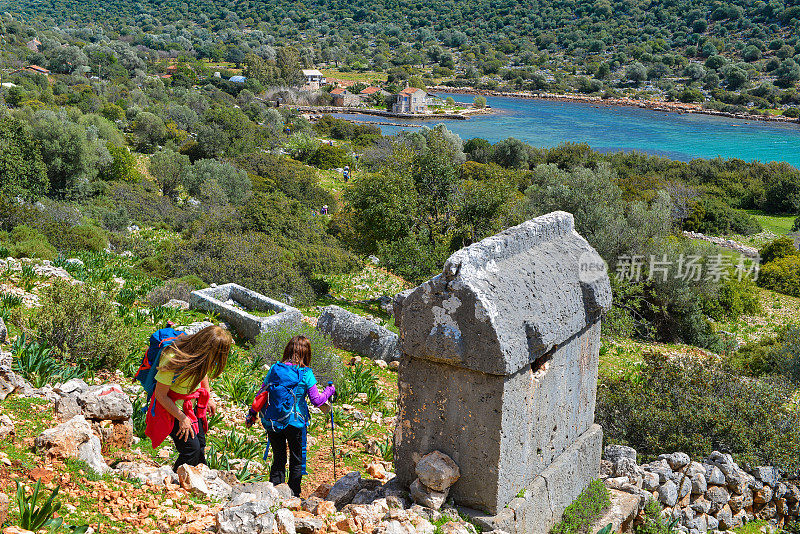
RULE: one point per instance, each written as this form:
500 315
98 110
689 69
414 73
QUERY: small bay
546 123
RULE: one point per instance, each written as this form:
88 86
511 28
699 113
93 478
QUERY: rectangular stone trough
247 325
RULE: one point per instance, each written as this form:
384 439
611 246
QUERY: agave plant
238 445
238 388
28 277
386 448
32 360
9 300
32 516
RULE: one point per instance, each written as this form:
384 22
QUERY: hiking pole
333 439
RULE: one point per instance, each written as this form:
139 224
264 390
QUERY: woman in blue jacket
281 403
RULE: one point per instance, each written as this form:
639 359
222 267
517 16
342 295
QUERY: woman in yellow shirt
183 375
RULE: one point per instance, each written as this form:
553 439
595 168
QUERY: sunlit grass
773 223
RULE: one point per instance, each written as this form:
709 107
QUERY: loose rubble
715 494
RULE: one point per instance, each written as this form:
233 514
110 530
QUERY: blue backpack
146 374
285 404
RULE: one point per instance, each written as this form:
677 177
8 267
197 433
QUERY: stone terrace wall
715 494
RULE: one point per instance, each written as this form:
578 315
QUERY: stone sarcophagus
499 371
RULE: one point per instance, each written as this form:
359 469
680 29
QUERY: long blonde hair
199 355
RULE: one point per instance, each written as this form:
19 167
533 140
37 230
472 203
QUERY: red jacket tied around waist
160 422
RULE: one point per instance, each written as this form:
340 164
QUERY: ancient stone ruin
499 372
245 310
352 332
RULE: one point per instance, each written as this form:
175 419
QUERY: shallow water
544 123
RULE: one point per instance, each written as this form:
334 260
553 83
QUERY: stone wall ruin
499 371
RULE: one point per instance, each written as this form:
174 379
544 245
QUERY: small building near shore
344 98
314 79
238 79
411 100
368 94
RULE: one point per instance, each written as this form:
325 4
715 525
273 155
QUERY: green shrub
712 216
779 355
579 516
155 265
81 325
27 242
142 202
122 165
290 177
84 237
171 289
330 157
192 281
254 260
780 248
653 522
698 407
782 275
325 363
733 299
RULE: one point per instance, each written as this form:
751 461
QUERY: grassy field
368 77
778 225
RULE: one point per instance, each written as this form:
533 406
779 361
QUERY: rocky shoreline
652 105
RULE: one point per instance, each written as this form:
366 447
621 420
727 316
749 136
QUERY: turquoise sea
608 129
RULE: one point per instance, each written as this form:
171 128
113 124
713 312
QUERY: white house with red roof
411 100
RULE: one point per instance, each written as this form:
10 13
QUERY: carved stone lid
502 302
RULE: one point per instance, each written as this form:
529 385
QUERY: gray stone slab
215 300
542 503
350 331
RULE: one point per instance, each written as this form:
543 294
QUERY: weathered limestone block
10 382
106 403
7 428
499 370
437 471
551 492
216 300
427 497
252 517
67 407
350 331
74 439
613 453
345 489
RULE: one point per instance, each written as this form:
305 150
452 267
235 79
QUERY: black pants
293 437
192 451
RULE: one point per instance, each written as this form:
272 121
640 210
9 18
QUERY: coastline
652 105
352 110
